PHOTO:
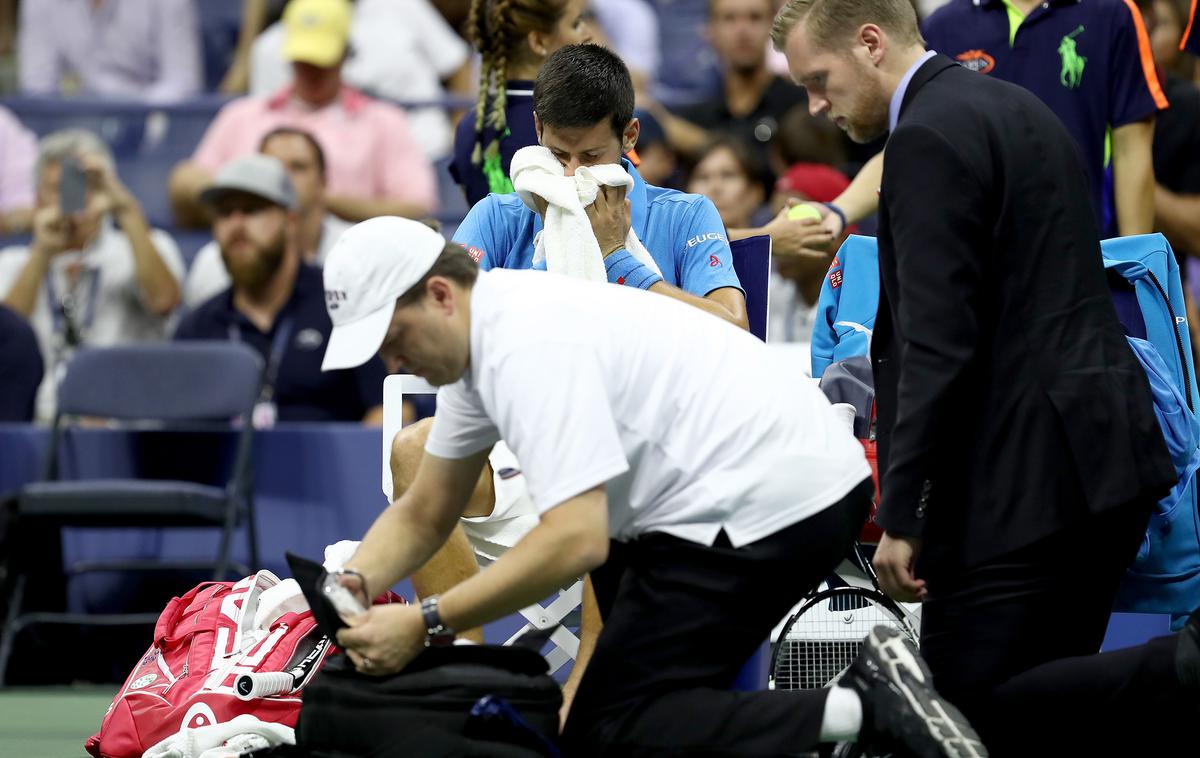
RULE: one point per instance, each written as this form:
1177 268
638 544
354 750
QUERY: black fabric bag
467 700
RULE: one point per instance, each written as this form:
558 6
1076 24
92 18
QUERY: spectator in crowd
630 27
376 167
513 38
657 161
736 179
276 303
316 228
805 138
98 277
753 99
1090 62
136 49
399 50
20 367
1176 136
18 149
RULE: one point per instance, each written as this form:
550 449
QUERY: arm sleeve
214 151
38 60
1134 92
179 66
556 415
407 173
461 426
480 234
702 257
940 278
441 44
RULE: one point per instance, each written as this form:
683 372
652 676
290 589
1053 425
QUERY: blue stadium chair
220 25
752 262
688 71
183 388
452 202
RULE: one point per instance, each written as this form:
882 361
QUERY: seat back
752 262
172 381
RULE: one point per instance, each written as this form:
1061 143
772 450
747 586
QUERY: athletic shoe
1187 653
901 710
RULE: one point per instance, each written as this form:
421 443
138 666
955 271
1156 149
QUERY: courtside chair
181 387
752 262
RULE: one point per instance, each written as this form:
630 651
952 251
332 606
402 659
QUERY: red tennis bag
203 642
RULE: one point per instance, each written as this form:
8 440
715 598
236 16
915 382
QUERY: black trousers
1014 644
680 620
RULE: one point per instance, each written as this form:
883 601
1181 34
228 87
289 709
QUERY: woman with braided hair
514 38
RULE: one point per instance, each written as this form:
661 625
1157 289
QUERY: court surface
50 722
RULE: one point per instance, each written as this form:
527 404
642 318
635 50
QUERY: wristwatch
437 634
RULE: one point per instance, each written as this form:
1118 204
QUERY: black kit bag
467 700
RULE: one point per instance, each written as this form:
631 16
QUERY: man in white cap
686 481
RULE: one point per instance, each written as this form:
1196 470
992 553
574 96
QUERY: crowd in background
375 108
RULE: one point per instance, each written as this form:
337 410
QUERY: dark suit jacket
1009 403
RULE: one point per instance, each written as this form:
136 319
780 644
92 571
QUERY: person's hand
384 639
354 581
805 237
109 195
51 231
610 216
894 561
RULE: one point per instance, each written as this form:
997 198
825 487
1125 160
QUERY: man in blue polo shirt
276 303
1090 61
583 111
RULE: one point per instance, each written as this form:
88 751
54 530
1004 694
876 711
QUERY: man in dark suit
1019 452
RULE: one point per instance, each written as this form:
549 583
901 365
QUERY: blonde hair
830 21
497 29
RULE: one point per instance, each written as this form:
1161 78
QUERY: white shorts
513 514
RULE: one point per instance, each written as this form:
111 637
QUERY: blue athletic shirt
682 232
1089 60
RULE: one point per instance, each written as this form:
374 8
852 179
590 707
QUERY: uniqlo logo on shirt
835 278
475 253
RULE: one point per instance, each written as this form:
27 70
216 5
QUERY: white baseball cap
371 265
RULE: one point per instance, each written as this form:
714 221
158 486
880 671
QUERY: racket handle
263 684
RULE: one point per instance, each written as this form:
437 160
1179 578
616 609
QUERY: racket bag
465 700
202 642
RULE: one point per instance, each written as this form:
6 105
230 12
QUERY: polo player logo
1071 75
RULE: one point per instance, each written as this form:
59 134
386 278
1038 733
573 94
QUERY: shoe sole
911 676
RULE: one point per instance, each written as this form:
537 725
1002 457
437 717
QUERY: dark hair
805 138
291 131
582 85
497 29
454 263
749 160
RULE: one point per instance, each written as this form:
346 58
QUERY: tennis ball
804 210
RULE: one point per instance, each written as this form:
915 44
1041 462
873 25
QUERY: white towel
567 242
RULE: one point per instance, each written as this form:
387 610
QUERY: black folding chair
185 387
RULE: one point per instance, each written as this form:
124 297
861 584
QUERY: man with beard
276 303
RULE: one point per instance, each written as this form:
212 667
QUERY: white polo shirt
692 424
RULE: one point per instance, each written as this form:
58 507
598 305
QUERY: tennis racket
261 684
820 641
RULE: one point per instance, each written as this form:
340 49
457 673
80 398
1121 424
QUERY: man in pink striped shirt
375 166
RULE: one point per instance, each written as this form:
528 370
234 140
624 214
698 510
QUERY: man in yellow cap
375 165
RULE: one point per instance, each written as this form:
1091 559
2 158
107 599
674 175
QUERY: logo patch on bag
143 681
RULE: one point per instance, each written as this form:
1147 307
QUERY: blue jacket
847 304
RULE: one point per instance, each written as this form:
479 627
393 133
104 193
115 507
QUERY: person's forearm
1178 217
23 295
254 17
16 221
363 208
703 303
185 185
543 562
861 198
684 136
1133 177
401 540
160 289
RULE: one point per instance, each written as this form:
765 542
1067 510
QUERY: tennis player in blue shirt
583 111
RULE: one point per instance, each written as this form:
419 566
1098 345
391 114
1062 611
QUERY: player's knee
407 448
